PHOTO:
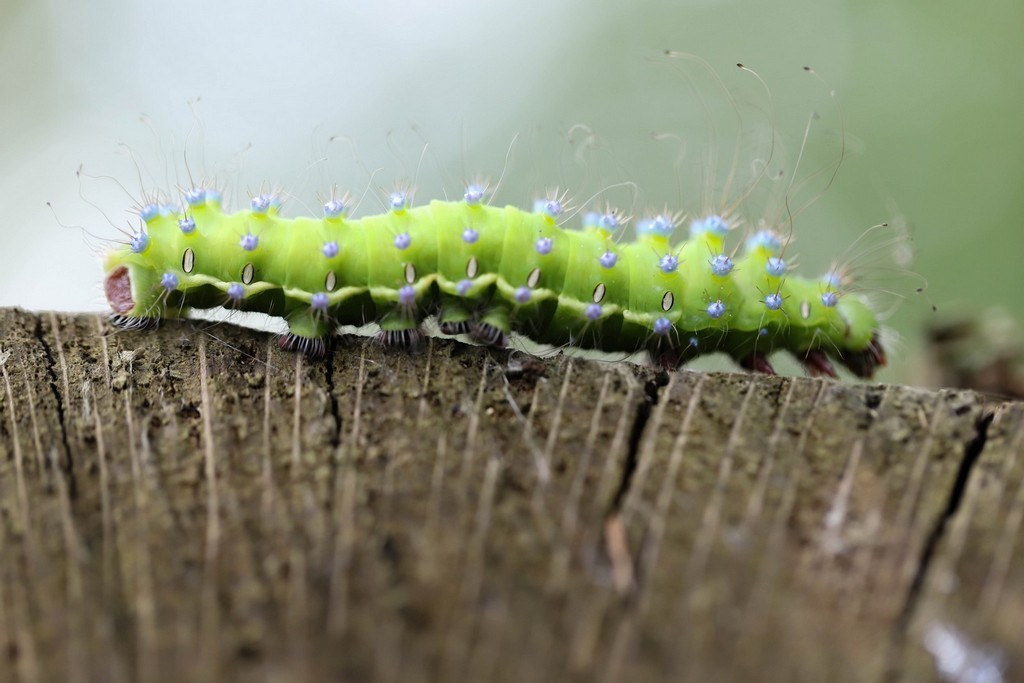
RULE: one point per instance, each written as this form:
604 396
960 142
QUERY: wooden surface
176 505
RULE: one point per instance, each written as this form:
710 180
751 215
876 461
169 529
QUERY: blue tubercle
249 242
187 225
608 221
236 291
319 302
829 299
593 311
149 212
552 208
470 236
716 309
398 201
608 259
668 263
662 326
463 287
169 281
474 194
764 239
773 301
406 295
195 197
403 241
721 265
714 225
330 249
775 266
832 280
544 246
335 209
260 204
662 226
523 295
139 241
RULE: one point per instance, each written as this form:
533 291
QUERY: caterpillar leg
127 322
669 352
492 328
757 362
399 330
456 327
817 364
668 359
455 319
307 333
311 347
408 338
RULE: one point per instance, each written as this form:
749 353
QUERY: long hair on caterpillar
487 271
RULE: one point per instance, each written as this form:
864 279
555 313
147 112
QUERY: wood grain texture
176 504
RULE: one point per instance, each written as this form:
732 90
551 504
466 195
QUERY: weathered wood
175 505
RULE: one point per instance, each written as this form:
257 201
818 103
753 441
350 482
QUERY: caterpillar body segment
490 271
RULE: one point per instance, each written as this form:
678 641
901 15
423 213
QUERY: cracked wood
193 503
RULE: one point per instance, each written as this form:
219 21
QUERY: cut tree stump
176 505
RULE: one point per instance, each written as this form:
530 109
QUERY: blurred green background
309 94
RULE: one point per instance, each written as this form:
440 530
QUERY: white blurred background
306 95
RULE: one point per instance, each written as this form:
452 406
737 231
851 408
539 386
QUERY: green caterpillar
488 271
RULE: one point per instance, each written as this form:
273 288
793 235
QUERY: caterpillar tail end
864 363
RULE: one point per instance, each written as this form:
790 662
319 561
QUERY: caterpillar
489 271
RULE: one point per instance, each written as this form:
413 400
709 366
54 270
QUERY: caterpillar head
135 292
118 288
